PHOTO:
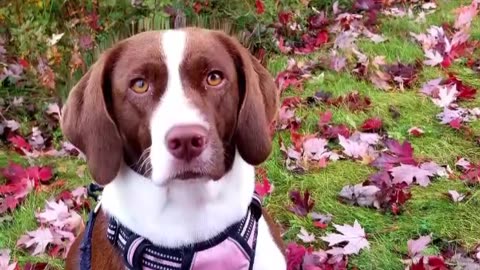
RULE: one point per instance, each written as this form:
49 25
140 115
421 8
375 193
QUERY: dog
172 124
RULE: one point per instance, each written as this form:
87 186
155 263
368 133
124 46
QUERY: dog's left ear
260 100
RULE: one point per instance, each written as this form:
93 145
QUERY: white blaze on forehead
174 108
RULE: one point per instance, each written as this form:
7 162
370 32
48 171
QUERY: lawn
453 226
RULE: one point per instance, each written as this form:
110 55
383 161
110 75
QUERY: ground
428 212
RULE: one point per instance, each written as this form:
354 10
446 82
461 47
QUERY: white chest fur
182 213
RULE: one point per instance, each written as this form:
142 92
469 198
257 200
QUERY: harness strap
86 244
140 253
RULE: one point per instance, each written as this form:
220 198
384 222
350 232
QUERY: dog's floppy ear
87 124
259 104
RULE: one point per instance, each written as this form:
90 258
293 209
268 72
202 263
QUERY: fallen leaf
295 253
455 196
465 15
360 195
416 131
354 236
372 125
302 204
323 218
456 123
55 39
446 96
408 173
263 187
39 239
415 247
5 260
305 236
433 58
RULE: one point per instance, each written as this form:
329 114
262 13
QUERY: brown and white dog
172 124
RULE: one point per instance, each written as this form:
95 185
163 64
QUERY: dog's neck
180 213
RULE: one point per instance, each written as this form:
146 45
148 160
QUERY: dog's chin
186 176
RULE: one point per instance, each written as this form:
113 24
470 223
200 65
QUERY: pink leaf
360 195
5 260
355 148
455 196
38 239
415 247
305 236
354 236
407 173
465 15
325 118
54 213
434 58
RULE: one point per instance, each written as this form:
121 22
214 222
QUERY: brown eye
214 78
139 86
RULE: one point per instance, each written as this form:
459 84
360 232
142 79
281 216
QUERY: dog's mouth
194 172
188 175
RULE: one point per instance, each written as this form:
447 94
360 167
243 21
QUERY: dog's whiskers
143 164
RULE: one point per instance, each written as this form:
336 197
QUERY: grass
429 211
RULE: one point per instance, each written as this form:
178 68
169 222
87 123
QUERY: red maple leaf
263 186
260 6
317 20
297 140
20 143
465 92
456 123
39 174
472 174
332 131
284 17
35 266
353 101
24 63
197 7
372 125
302 204
320 225
93 21
325 118
397 154
291 101
415 131
321 38
295 254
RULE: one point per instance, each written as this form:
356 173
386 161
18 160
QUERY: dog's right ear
87 123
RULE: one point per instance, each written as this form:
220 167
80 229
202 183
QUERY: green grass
429 211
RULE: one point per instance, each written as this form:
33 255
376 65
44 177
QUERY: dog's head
172 105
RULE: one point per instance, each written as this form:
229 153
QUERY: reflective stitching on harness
140 253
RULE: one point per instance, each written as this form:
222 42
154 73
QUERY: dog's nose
186 142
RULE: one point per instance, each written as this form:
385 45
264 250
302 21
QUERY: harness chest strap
236 246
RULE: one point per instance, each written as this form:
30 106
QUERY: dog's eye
214 78
139 86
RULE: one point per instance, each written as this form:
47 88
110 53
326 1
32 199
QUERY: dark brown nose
186 142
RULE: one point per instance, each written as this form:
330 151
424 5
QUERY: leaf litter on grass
396 167
389 188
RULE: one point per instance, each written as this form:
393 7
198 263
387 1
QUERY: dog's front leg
267 255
